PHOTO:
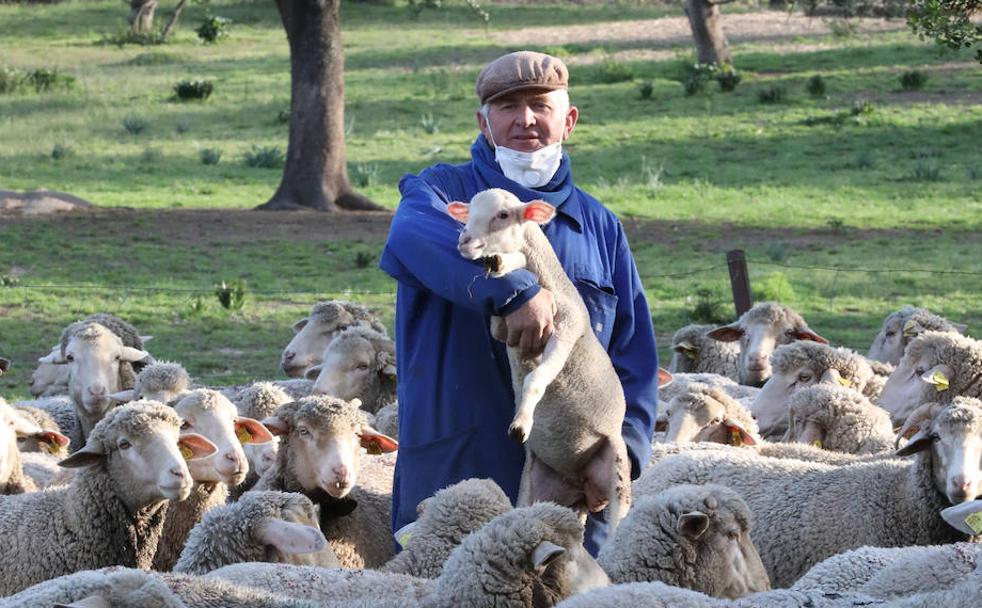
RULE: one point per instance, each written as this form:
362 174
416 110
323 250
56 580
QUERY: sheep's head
495 221
211 415
703 413
760 330
47 439
953 433
688 344
142 448
315 333
321 439
814 413
160 381
902 326
49 378
285 523
13 428
357 364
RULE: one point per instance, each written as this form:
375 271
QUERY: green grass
733 172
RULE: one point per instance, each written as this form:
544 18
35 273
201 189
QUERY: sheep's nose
289 355
341 473
232 456
756 360
962 483
97 390
179 472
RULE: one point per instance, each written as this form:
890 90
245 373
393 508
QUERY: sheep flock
785 472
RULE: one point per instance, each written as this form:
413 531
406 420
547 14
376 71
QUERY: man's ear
539 212
458 211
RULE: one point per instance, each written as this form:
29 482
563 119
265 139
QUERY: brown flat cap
520 71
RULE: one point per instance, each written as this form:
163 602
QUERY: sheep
680 382
936 366
275 527
49 379
799 504
161 381
214 417
113 512
258 401
706 413
574 451
360 363
694 352
49 440
319 457
801 364
697 537
760 330
126 332
789 451
445 519
12 477
531 556
315 332
902 326
61 409
838 419
386 420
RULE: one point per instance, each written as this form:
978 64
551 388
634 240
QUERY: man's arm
634 355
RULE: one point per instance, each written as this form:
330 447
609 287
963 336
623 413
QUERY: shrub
193 89
125 36
46 79
60 151
842 27
696 76
708 308
231 295
151 156
864 160
913 80
862 107
773 94
135 125
775 287
213 29
926 171
210 156
363 259
647 89
815 86
264 157
182 126
366 175
283 117
154 58
429 124
836 225
10 79
611 71
778 252
728 78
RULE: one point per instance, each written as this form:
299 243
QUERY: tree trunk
707 30
316 175
169 28
141 15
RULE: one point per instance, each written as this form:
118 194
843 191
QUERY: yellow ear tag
404 539
186 452
736 438
844 381
817 443
243 435
940 381
48 447
974 521
909 327
374 448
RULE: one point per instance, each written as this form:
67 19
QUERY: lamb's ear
92 601
86 457
737 430
726 333
299 325
312 372
965 517
693 524
124 396
133 354
377 443
918 443
545 553
807 334
539 212
250 430
288 537
458 211
194 446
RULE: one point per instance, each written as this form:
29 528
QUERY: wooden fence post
739 280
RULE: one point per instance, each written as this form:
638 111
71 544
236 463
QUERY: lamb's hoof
519 431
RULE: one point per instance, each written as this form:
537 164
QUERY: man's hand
530 326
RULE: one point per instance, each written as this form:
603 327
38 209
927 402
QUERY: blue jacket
455 394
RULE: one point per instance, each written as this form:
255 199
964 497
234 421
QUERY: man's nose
525 117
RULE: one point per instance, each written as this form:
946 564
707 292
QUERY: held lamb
161 381
569 402
694 352
445 519
319 456
360 363
935 367
697 537
902 326
799 506
759 331
113 512
838 419
315 332
528 557
276 527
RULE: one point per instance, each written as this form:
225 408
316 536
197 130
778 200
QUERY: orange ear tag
736 438
374 448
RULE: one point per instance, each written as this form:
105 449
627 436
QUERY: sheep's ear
312 372
726 333
53 439
693 524
807 334
664 378
939 376
276 425
4 365
832 376
740 435
813 434
250 430
404 534
299 325
194 446
965 517
133 354
377 443
539 212
387 363
123 396
54 357
545 553
146 338
458 211
92 601
919 442
289 538
86 457
960 327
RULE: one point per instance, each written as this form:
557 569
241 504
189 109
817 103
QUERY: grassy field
854 203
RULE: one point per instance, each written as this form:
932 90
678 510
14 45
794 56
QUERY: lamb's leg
525 484
607 481
534 386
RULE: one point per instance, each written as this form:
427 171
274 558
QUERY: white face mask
530 169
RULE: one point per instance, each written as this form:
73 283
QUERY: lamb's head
705 413
936 366
160 381
760 330
93 355
902 326
495 222
49 378
315 333
692 536
259 401
212 415
47 439
815 413
144 452
533 556
320 441
359 364
799 365
953 433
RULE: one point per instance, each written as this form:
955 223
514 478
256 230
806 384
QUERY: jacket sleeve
634 355
422 250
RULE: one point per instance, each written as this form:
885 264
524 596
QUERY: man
455 393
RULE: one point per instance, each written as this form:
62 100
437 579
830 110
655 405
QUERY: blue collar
559 192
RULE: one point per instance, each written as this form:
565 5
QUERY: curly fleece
820 358
773 314
260 400
162 376
851 423
343 312
960 353
126 332
710 356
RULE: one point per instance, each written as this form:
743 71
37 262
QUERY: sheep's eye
502 215
362 366
303 432
117 358
934 437
124 445
733 535
69 358
716 420
185 425
890 333
804 377
919 371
